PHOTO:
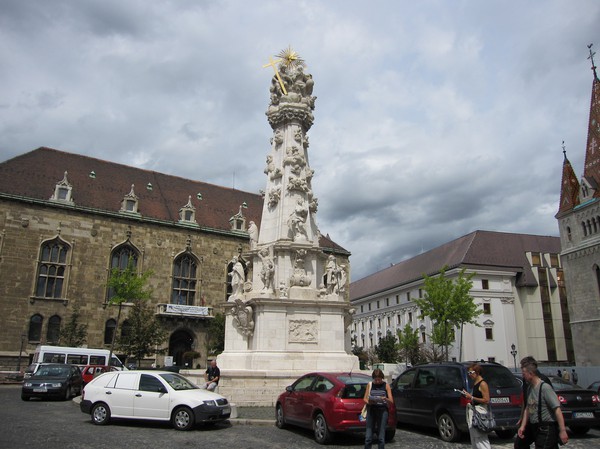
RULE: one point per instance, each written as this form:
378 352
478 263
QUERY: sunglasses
470 372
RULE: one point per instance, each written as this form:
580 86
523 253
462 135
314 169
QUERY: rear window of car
498 376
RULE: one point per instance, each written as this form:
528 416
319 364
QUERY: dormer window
187 214
130 203
238 221
63 191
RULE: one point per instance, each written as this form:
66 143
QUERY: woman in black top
479 398
377 397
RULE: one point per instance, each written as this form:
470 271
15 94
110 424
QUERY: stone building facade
579 224
67 219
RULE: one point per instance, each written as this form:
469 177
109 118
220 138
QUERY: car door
295 407
316 398
423 395
151 400
402 390
120 392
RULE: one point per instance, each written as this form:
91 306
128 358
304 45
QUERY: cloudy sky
433 118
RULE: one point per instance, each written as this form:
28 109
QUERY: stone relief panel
303 331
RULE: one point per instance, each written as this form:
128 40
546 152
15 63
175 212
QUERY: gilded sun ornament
290 58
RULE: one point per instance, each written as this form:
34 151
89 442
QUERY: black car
580 407
55 380
429 395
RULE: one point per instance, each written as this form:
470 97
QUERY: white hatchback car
156 395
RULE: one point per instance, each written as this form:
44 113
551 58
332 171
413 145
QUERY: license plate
577 415
40 390
500 400
225 410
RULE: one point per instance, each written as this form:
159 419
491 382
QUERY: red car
327 403
91 371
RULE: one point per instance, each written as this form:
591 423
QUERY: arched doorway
181 341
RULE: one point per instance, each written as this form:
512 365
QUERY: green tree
448 304
144 334
408 345
126 286
74 334
387 348
216 334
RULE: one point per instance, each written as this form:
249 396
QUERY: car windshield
52 371
178 382
559 385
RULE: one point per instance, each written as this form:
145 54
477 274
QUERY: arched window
109 331
53 332
569 236
584 228
597 273
125 329
121 257
35 328
51 269
184 280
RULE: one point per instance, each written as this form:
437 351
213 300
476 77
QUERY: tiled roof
34 175
477 250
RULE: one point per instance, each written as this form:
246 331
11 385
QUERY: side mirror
289 389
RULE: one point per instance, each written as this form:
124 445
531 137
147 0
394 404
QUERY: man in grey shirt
542 411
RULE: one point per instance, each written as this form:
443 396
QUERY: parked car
56 380
327 403
90 371
152 395
580 407
594 386
429 395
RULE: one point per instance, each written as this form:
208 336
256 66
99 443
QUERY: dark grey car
55 380
429 395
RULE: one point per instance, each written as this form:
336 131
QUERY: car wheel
279 418
389 435
505 434
100 414
183 418
447 428
579 430
322 434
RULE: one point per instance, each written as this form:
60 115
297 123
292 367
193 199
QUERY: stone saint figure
297 220
253 232
238 277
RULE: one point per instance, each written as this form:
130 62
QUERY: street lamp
514 354
20 351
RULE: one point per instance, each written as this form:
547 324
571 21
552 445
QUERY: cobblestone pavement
61 425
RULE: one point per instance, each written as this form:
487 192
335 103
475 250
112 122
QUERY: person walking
542 411
528 436
480 398
378 396
574 376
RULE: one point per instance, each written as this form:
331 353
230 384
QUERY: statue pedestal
291 337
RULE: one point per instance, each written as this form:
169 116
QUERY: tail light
562 399
83 394
595 399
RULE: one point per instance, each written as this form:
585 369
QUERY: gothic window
35 328
584 228
569 236
52 269
597 273
184 280
125 329
109 331
594 225
53 332
121 257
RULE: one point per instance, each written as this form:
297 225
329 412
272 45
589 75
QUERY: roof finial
591 58
564 149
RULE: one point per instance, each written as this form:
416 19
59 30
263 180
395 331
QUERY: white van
73 356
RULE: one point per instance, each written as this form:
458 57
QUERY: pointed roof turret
592 154
569 190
